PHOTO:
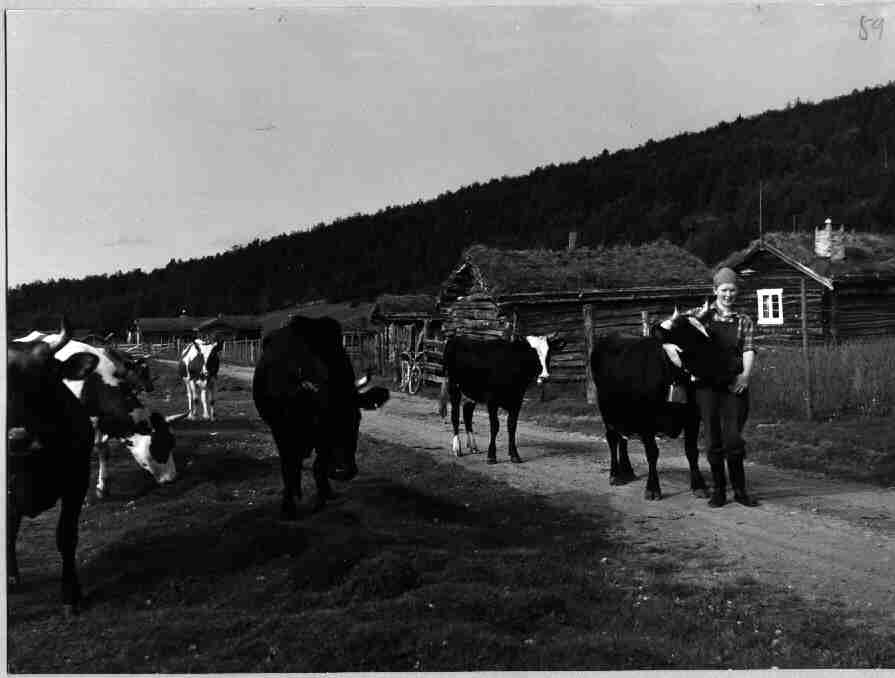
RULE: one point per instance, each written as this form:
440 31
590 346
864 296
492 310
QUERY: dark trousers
723 416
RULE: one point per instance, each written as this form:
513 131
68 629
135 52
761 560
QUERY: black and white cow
199 364
496 373
304 387
119 418
636 378
49 438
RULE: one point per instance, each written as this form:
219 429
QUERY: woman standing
724 408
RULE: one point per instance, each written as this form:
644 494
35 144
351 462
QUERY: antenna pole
760 231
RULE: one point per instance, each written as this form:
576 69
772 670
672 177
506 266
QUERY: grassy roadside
419 566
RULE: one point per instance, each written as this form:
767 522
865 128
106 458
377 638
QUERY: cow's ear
79 365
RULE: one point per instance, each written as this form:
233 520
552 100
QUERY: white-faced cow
304 388
496 373
48 442
634 377
110 395
199 364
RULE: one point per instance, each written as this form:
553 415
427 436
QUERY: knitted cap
724 275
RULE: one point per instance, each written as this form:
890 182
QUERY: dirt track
824 539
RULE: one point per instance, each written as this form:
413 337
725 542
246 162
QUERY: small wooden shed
404 320
577 292
848 279
165 330
230 327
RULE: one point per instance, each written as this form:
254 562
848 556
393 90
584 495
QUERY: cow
644 388
199 364
496 373
304 388
49 438
119 418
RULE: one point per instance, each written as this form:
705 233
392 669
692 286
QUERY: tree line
700 190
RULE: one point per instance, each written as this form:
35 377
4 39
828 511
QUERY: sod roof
866 254
505 272
403 306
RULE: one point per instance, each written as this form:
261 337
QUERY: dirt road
822 538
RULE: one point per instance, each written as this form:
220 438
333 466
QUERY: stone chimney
829 243
573 239
822 238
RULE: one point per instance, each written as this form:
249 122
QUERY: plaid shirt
743 321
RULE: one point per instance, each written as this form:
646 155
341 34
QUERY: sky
141 134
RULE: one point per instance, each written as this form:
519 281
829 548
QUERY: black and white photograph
426 337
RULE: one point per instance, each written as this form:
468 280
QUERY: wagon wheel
415 380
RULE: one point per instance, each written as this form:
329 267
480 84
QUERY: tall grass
851 378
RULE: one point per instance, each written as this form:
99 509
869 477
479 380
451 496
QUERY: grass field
419 566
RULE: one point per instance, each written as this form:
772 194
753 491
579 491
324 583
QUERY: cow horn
64 336
171 418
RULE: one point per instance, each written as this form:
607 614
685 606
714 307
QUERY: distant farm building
848 279
230 327
577 292
405 321
359 335
165 330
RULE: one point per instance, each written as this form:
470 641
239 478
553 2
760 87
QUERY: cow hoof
102 493
622 479
458 454
516 459
492 460
701 493
473 450
652 495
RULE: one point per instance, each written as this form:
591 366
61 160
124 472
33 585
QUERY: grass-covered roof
398 306
865 253
504 272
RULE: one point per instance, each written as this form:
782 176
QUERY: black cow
304 388
634 377
49 441
496 373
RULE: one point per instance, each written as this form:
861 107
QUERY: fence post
588 349
809 386
644 322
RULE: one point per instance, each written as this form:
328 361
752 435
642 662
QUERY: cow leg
620 470
512 421
691 449
13 521
290 468
468 410
102 475
455 420
210 389
321 478
67 542
190 398
204 396
653 491
495 427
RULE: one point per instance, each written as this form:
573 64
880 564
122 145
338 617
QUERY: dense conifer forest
699 190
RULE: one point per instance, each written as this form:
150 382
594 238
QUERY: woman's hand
740 384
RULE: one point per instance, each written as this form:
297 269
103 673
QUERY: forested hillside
701 190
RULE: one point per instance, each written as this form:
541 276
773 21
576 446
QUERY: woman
724 409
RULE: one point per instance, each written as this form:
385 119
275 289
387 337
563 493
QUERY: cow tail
443 399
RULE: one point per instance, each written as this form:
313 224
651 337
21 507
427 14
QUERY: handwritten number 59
871 25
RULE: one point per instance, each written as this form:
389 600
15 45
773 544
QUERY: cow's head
39 408
690 346
545 346
133 371
210 357
344 448
152 444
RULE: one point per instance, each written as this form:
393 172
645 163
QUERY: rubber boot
738 482
719 486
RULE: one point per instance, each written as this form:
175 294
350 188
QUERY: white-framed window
770 306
